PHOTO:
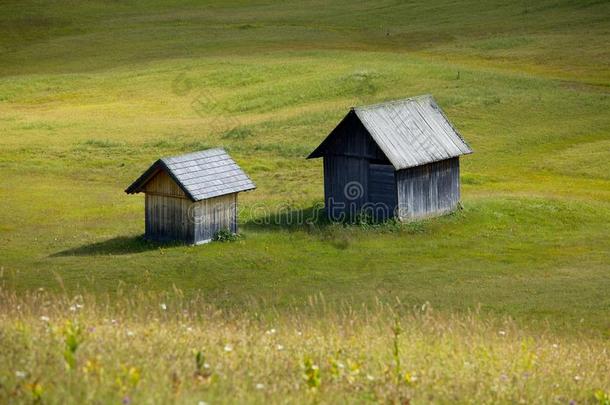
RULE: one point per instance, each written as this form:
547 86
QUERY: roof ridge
193 153
390 102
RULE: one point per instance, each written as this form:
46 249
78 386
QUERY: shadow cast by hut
120 245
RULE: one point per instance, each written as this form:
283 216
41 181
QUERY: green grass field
93 92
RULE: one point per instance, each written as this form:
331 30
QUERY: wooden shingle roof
201 175
410 132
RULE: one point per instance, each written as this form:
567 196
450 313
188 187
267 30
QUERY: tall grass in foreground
162 349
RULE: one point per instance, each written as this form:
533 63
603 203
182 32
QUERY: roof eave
317 152
144 178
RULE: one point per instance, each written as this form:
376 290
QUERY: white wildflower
370 377
21 374
271 331
260 386
502 333
555 346
44 318
163 306
130 333
280 347
202 403
228 348
577 378
73 308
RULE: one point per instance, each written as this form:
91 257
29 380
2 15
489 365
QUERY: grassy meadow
93 92
164 348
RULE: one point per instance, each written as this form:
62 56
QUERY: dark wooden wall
347 155
428 190
382 198
350 138
345 186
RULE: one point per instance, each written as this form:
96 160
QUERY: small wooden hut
191 197
395 159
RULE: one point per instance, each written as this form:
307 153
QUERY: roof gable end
201 175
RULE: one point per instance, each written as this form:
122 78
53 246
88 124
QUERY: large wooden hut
191 197
394 159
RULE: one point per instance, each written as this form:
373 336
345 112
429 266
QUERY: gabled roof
205 174
410 132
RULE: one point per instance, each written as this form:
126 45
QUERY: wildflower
73 308
21 374
163 306
370 377
502 333
202 403
280 347
228 348
577 378
260 386
410 378
189 329
113 321
555 346
271 331
44 318
130 333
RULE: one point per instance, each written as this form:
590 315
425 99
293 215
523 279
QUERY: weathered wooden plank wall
163 184
167 218
167 210
428 190
214 214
